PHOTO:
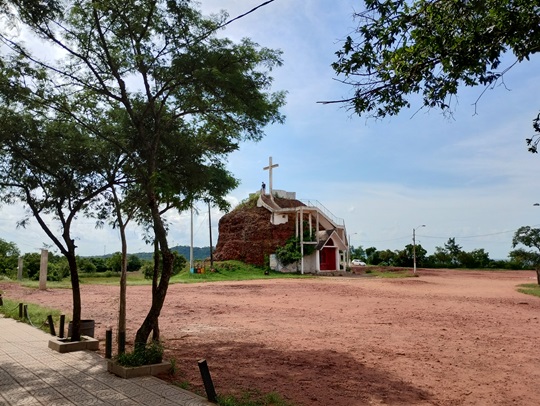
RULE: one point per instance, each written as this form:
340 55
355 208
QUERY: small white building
327 232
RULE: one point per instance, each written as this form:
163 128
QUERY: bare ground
445 338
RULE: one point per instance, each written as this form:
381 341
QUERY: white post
20 269
302 240
414 247
317 228
43 269
349 251
296 227
414 250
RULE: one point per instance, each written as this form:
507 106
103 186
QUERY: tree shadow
321 377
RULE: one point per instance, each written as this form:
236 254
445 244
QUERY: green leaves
530 238
431 47
527 236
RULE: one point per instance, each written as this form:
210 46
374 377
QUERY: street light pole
414 247
349 250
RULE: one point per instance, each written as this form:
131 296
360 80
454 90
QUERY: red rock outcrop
246 234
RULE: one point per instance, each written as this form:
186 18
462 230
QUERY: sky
469 177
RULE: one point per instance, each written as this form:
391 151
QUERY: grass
231 271
223 271
530 289
390 273
248 398
105 278
37 315
253 399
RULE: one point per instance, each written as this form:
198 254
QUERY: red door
328 259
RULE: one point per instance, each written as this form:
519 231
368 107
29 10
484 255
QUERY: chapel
254 232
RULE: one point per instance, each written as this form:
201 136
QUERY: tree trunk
151 320
155 277
123 275
76 293
158 295
123 290
538 276
155 331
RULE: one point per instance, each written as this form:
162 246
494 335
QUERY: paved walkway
32 374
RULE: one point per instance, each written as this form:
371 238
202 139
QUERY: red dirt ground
445 338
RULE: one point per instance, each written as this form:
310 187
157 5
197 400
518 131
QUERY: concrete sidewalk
32 374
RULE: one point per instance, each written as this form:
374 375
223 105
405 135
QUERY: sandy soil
445 338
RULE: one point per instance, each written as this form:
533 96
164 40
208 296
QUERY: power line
444 238
245 14
478 235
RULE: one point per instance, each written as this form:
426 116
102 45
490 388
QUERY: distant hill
199 253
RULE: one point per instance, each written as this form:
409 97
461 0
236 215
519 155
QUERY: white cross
269 169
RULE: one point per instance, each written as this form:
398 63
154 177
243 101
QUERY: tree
527 236
99 264
477 258
431 47
9 255
151 79
358 253
524 259
439 259
114 262
85 265
405 257
49 164
371 255
448 256
386 257
134 263
31 263
530 238
454 252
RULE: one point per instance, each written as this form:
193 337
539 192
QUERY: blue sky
468 177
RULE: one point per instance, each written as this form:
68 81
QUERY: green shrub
224 266
8 274
248 203
54 275
150 354
290 252
106 274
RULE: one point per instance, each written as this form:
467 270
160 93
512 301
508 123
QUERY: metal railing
315 203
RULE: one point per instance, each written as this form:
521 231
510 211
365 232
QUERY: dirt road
444 338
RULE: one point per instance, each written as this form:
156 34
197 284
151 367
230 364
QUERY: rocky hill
246 233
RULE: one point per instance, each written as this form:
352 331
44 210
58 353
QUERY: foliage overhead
431 47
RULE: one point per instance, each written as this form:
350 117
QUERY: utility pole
210 230
191 269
